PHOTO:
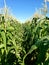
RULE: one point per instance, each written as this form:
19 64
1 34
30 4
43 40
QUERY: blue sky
22 9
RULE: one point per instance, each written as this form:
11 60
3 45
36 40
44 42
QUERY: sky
22 9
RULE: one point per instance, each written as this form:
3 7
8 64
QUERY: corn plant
38 54
9 44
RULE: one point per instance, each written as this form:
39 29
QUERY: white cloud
47 0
